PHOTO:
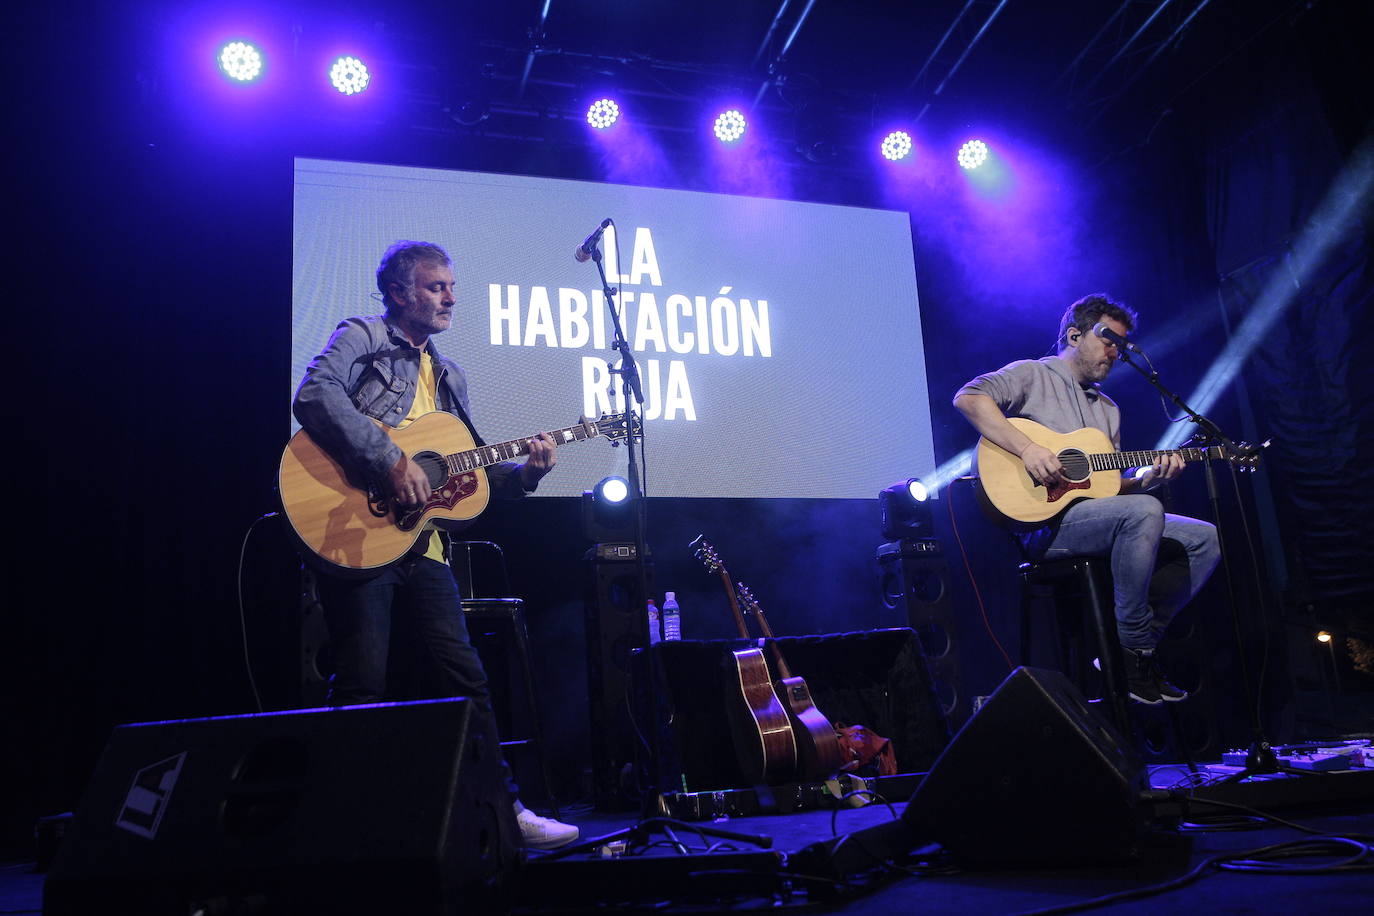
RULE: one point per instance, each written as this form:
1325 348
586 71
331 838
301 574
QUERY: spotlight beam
786 46
968 49
768 36
957 466
536 36
1332 221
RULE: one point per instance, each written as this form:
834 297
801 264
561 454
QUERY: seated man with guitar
386 370
1159 561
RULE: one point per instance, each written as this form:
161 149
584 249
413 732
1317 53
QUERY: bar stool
1084 580
511 613
1087 579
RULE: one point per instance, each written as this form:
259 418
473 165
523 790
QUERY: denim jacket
370 369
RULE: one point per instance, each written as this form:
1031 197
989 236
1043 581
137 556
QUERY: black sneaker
1140 680
1169 693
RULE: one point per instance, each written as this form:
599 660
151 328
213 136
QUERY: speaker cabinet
364 809
1036 777
915 578
616 624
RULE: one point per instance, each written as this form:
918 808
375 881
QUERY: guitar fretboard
486 455
1118 461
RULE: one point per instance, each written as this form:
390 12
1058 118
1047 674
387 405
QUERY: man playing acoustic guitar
386 368
1159 561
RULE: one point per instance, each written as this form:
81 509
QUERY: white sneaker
543 832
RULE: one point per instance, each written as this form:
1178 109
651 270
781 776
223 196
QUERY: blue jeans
359 617
1159 561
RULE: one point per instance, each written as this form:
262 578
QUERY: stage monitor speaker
1036 777
394 807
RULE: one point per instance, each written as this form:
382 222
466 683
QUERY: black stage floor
739 875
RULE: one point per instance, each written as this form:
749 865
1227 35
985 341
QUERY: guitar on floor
1092 468
818 747
357 527
764 741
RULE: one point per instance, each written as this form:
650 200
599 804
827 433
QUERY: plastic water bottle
672 619
654 635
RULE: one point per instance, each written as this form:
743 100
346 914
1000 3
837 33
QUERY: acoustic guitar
764 743
353 525
819 755
1092 468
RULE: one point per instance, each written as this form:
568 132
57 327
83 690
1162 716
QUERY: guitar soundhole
432 463
1076 464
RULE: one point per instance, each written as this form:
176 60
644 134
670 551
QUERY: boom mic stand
632 395
1260 757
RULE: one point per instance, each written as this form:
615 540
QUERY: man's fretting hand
541 460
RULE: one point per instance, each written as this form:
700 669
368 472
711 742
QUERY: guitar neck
487 455
1119 461
754 608
734 603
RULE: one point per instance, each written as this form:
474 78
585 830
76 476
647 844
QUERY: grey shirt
1044 390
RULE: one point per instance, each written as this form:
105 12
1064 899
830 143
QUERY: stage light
613 490
905 511
602 113
973 154
240 61
1323 636
608 511
349 75
896 146
730 126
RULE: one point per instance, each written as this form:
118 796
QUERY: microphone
1101 330
584 251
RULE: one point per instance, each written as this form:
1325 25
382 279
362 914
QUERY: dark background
151 227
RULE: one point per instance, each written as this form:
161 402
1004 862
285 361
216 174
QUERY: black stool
1084 579
511 612
1087 579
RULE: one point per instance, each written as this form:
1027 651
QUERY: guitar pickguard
1056 492
455 490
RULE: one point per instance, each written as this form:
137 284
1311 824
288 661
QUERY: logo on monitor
149 795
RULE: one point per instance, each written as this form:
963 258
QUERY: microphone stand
1260 757
632 394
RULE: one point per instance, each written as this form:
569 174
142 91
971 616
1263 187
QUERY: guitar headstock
618 427
702 549
1246 457
747 602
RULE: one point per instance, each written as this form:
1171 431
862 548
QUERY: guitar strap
452 405
467 421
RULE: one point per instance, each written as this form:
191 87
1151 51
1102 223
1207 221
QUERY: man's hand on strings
409 485
541 460
1042 464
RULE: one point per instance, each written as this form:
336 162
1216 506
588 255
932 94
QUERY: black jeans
359 614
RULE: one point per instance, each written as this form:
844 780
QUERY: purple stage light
349 75
240 61
896 146
973 154
730 126
602 113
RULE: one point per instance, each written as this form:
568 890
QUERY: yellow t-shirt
425 393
